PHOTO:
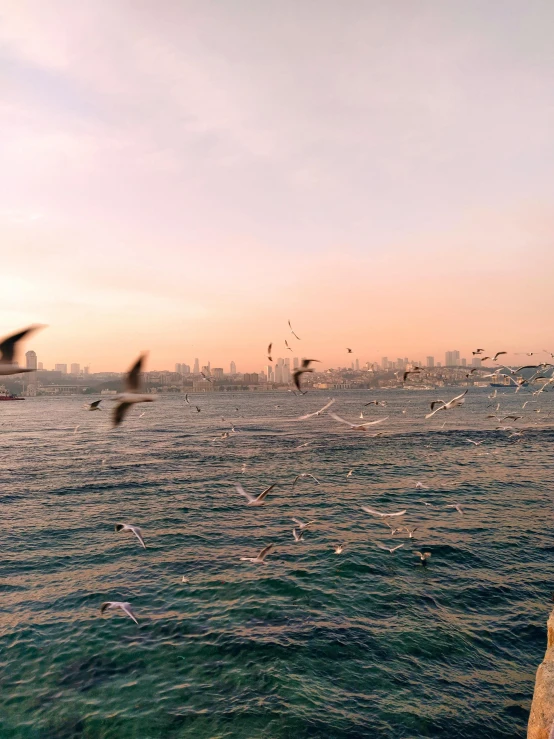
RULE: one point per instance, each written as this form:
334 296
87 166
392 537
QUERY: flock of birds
132 395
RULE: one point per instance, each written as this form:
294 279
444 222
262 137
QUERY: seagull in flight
125 607
498 354
409 531
287 345
94 406
260 558
209 379
357 426
305 474
339 548
478 351
317 413
133 529
442 406
415 370
349 351
298 536
8 346
477 443
269 353
131 393
252 499
350 473
304 367
457 506
301 525
373 512
187 398
292 332
376 402
393 550
423 556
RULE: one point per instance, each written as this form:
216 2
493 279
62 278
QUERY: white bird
301 525
386 549
392 529
373 512
8 346
305 474
185 579
409 531
361 414
125 607
458 400
424 556
136 530
359 426
302 446
298 536
252 499
317 413
260 558
339 548
477 443
243 469
76 429
457 506
350 473
421 486
131 394
94 406
142 414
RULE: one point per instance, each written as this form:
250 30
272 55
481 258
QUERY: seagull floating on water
339 548
477 443
131 394
424 556
125 607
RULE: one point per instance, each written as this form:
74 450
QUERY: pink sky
185 177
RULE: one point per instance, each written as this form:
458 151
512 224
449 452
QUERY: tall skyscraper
61 368
218 373
206 370
75 369
185 369
295 363
385 363
357 364
463 362
196 368
269 373
286 372
279 371
31 360
475 362
233 368
178 367
430 361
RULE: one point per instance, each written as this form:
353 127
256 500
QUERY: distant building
196 368
279 371
357 364
40 366
400 364
218 373
206 370
75 369
269 373
61 368
233 368
295 363
185 369
452 359
250 378
385 363
86 370
178 367
31 360
475 362
287 362
286 373
430 361
464 362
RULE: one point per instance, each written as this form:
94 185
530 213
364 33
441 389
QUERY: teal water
311 644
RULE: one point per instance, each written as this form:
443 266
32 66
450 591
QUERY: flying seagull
339 548
8 346
497 355
298 536
393 550
133 529
477 443
349 351
305 474
478 351
376 402
415 370
350 473
260 558
457 506
131 393
209 379
304 367
94 406
187 398
458 400
269 353
373 512
287 345
357 426
424 556
317 413
292 332
252 499
301 525
125 607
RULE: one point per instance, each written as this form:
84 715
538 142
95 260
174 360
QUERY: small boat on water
8 396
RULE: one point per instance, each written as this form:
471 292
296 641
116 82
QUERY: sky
184 177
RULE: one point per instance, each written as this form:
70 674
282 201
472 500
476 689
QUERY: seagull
493 394
260 558
357 426
252 499
478 351
376 402
457 506
339 548
298 536
497 355
243 467
458 400
197 409
269 352
185 579
516 433
142 414
94 406
373 512
349 351
421 486
302 446
410 532
392 529
287 345
510 418
133 529
477 443
484 359
305 474
415 370
131 394
8 365
187 398
317 413
76 428
209 379
292 332
305 367
125 607
393 550
361 414
424 556
350 473
301 525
